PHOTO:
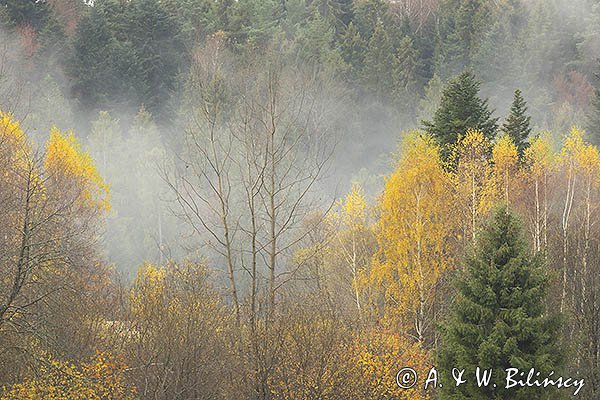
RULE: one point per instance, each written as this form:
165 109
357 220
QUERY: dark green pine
27 12
379 63
498 318
517 124
461 109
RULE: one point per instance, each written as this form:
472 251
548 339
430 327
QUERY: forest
298 199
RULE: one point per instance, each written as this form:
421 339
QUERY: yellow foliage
538 156
352 248
171 291
15 149
150 287
583 157
11 133
539 163
101 378
65 158
471 149
413 234
505 157
380 356
472 180
353 210
505 154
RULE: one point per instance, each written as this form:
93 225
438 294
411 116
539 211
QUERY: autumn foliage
103 377
369 287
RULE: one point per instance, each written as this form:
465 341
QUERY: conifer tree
461 109
407 67
352 48
498 319
517 123
27 12
380 62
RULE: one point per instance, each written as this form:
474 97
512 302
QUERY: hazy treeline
192 239
65 62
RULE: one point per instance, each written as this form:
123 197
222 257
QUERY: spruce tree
461 108
517 123
92 67
498 319
34 13
353 48
380 63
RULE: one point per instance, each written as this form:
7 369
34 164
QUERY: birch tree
414 237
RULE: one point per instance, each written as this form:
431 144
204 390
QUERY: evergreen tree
368 14
197 18
461 26
126 54
91 69
380 63
517 123
461 109
499 56
253 23
337 13
498 319
408 64
315 43
105 143
156 47
145 153
27 12
352 48
49 108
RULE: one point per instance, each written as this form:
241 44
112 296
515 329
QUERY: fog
133 151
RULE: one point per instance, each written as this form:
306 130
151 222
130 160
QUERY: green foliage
316 45
135 228
390 69
37 24
407 73
198 18
92 68
128 54
154 39
367 68
27 12
369 13
498 319
461 27
380 62
353 48
250 23
517 123
461 109
589 46
499 56
337 13
50 108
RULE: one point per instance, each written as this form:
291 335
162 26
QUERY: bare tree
257 146
202 180
291 119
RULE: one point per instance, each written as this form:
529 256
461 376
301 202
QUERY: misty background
120 73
